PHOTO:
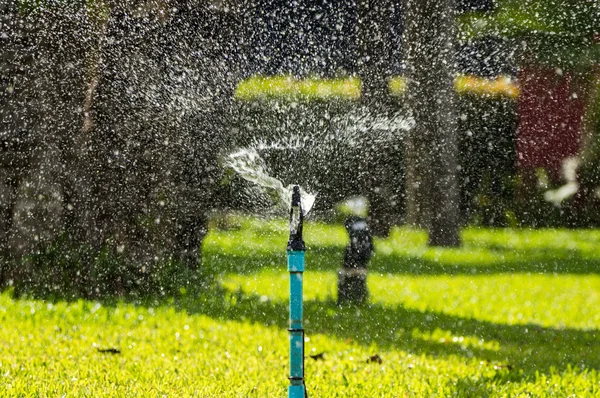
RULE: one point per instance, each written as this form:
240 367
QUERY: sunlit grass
503 298
290 87
261 87
511 312
502 86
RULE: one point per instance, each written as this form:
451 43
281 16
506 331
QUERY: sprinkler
295 258
352 277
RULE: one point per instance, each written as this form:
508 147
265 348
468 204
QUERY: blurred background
117 119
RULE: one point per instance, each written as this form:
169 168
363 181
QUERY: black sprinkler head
296 196
296 242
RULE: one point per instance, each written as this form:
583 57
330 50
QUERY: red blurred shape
551 109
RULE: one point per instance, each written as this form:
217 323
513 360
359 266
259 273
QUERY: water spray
295 259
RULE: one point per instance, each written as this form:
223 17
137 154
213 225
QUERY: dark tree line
112 124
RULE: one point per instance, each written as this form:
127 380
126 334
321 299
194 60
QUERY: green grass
292 88
512 313
349 88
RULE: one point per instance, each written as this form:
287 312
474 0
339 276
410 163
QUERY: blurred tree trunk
48 92
8 74
42 70
373 36
81 200
166 82
431 149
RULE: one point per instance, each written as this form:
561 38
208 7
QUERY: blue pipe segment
296 268
296 330
295 256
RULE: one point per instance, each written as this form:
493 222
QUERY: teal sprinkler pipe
295 258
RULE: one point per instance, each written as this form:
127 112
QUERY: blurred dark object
352 278
112 351
375 359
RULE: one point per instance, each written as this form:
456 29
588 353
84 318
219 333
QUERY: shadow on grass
520 350
450 261
514 352
531 261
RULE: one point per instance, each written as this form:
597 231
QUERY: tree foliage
558 32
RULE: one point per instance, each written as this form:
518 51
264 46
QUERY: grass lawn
511 313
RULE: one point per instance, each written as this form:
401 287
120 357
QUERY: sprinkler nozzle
296 242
